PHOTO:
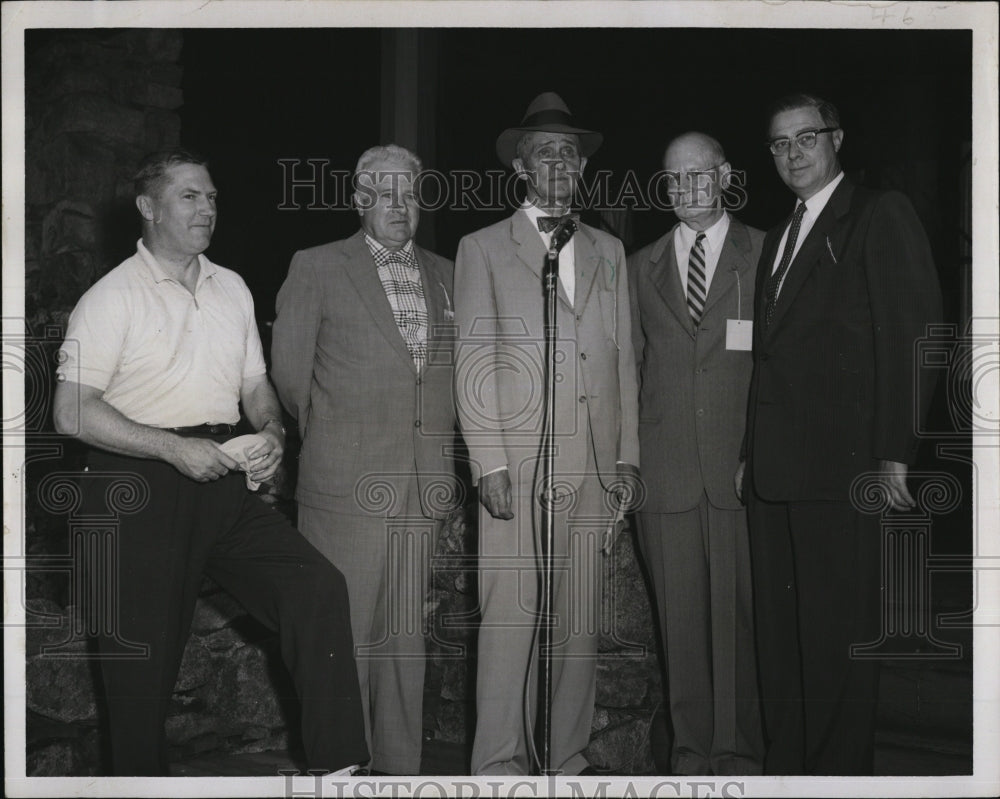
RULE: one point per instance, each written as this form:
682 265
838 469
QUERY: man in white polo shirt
159 355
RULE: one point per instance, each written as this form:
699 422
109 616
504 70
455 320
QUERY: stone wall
95 103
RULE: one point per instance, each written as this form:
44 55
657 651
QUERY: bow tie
547 224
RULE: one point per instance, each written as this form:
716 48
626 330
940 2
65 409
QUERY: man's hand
894 479
495 494
200 459
264 459
629 486
738 480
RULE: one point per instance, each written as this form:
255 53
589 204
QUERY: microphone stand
550 283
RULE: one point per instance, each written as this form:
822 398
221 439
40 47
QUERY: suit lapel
587 264
438 301
361 269
808 255
733 260
666 279
531 250
433 287
765 266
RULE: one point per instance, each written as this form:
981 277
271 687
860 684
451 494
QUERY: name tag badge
739 334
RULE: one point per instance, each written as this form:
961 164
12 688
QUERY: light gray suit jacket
342 369
499 366
693 396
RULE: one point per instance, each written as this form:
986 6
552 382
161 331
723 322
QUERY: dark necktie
547 224
696 278
773 282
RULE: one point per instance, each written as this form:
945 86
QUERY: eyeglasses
805 140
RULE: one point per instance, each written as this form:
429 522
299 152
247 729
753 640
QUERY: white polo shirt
163 356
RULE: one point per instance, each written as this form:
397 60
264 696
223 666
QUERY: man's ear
518 165
838 138
725 175
145 205
583 163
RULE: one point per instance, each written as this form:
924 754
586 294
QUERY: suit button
700 412
583 356
416 423
699 371
583 398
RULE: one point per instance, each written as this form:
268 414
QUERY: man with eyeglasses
845 287
692 305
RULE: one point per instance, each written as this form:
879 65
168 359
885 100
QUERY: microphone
562 233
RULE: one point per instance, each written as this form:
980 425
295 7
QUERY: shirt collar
205 267
534 212
715 236
815 204
382 254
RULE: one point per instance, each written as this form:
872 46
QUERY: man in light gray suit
362 356
499 376
692 298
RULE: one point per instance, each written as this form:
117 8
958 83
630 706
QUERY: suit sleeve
904 296
628 383
293 341
477 360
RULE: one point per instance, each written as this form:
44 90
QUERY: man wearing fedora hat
500 395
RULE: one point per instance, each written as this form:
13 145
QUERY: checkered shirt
401 280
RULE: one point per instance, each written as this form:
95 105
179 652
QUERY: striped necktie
774 282
696 278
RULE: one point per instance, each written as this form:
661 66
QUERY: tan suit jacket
500 359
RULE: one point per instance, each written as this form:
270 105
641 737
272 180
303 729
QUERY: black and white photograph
532 398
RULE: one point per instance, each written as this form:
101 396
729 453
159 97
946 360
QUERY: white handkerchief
237 449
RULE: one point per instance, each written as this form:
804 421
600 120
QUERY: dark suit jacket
343 371
833 387
693 391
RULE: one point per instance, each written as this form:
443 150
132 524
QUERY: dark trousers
183 531
816 568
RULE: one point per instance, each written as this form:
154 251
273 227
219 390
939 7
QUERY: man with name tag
845 288
159 356
692 305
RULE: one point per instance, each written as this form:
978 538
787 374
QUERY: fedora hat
547 112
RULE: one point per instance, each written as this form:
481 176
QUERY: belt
205 430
